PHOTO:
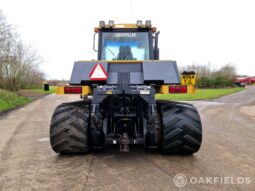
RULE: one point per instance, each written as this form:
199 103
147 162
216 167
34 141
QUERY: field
200 94
10 100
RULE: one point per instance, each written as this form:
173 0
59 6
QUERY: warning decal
98 73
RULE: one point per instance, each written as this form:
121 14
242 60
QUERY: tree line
213 78
19 62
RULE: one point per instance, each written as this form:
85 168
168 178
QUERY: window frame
109 30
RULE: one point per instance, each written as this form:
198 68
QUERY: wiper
112 53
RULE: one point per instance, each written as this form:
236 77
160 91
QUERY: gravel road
226 160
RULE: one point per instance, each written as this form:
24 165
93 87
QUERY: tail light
72 90
177 89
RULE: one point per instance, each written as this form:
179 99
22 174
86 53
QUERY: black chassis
124 114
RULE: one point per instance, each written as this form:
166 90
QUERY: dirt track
228 150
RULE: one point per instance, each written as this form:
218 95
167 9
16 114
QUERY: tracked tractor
118 105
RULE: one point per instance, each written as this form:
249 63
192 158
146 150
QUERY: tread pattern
182 129
69 128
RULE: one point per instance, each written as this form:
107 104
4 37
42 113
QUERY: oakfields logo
181 180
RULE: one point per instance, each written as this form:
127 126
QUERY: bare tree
19 63
228 72
5 36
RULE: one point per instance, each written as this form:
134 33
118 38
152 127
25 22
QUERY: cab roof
139 25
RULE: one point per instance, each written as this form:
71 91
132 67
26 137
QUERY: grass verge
200 94
52 90
10 100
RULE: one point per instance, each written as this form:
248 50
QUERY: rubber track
181 128
69 128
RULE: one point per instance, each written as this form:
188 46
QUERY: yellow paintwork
191 89
60 90
126 25
189 79
124 61
86 90
164 89
108 92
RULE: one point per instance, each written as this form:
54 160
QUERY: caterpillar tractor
118 105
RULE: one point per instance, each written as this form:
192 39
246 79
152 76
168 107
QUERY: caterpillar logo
129 35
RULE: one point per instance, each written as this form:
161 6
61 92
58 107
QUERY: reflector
98 73
178 89
72 90
96 29
153 29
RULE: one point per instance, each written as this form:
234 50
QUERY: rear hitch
124 145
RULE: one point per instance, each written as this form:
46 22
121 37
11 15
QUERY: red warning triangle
98 73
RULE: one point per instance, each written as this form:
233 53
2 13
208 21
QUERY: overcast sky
192 31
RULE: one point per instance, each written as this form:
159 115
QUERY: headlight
111 24
101 24
148 23
139 23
